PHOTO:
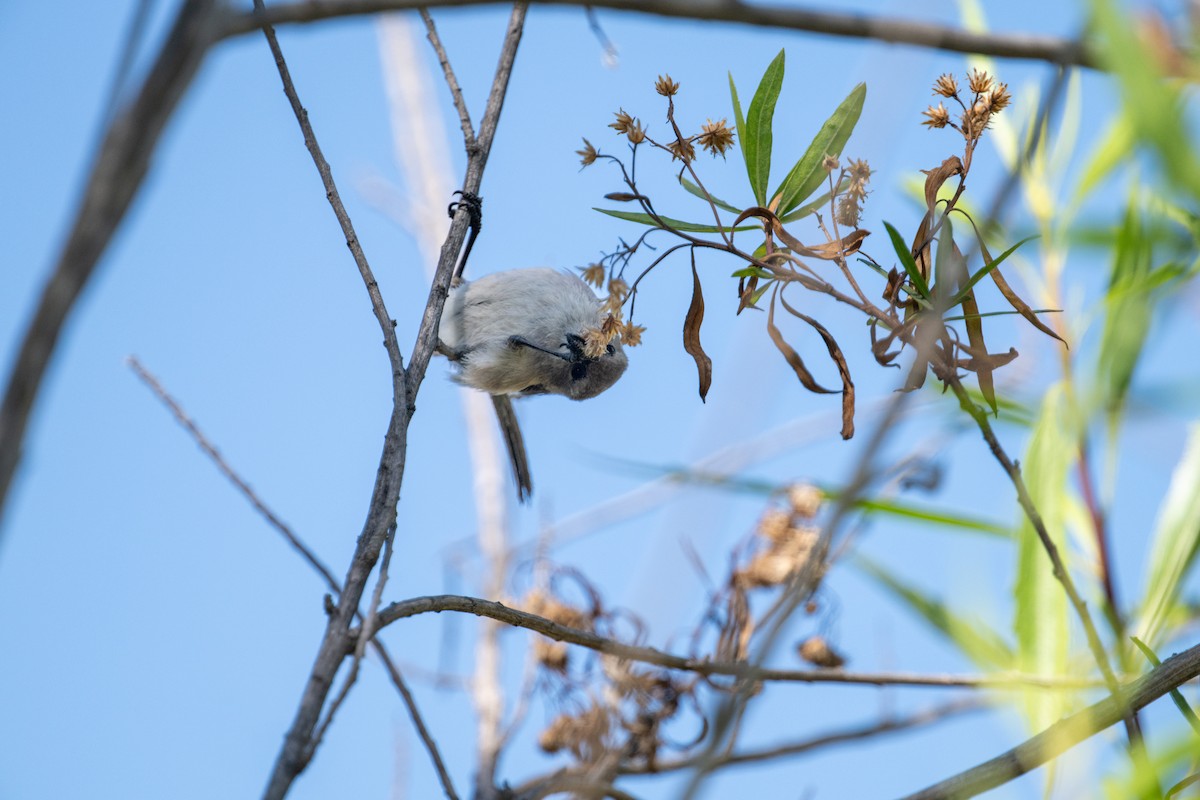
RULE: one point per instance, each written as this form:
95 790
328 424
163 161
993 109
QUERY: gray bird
523 332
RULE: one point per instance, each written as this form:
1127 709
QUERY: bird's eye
578 371
611 349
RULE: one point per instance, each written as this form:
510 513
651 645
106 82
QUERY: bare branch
337 642
649 655
857 26
117 172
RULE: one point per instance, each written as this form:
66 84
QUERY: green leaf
987 268
758 293
1128 313
809 171
984 646
752 272
756 136
949 266
740 121
716 201
933 516
689 227
1114 149
1174 547
906 258
1176 696
1041 612
808 208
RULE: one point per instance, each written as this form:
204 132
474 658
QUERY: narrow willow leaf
982 645
1129 310
989 266
811 206
756 138
740 120
752 272
1180 702
1041 611
907 261
692 188
677 224
1174 547
809 172
691 334
1113 150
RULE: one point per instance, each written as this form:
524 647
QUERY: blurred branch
742 670
889 723
851 25
120 166
1063 735
337 642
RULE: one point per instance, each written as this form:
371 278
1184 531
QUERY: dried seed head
849 212
715 137
774 525
610 328
830 163
816 651
595 341
937 117
945 85
587 156
859 170
1000 98
975 120
631 335
624 121
636 134
979 81
551 655
593 274
665 86
582 734
683 150
805 499
619 289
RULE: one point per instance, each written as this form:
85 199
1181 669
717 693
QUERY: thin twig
419 724
460 105
1065 734
1035 518
232 476
857 26
741 670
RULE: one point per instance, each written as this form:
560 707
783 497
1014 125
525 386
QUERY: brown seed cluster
849 206
987 98
786 537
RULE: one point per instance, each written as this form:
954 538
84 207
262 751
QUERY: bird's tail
507 417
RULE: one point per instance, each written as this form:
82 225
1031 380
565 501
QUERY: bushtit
523 332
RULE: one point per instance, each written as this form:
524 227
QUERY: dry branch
893 30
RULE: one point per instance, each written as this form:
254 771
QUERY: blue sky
158 634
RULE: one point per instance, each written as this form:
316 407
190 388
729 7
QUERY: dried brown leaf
835 352
691 333
791 356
